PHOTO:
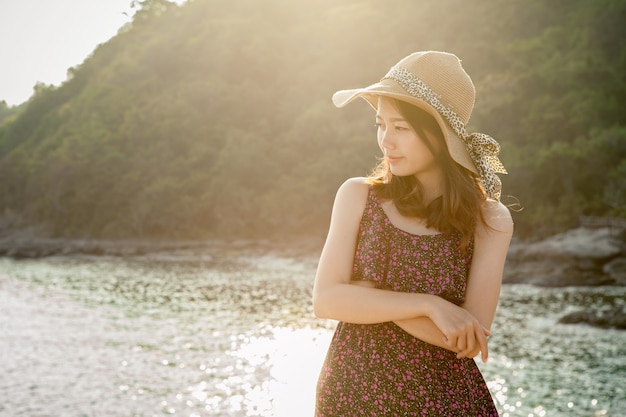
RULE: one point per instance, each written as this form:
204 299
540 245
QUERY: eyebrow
393 119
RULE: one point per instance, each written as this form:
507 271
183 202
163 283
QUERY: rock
581 243
616 269
597 244
575 258
615 318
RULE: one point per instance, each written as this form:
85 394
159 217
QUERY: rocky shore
25 246
21 245
579 257
613 318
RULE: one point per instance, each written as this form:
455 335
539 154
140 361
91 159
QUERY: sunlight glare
294 358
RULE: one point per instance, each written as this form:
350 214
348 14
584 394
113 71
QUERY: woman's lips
393 159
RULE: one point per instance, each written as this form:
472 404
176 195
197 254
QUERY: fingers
465 349
457 341
464 341
471 338
463 338
462 332
474 343
484 349
451 341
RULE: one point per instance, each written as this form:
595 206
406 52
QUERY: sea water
231 333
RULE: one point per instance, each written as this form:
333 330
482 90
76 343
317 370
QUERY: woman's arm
484 281
422 328
491 244
335 297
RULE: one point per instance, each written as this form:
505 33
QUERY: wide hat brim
390 88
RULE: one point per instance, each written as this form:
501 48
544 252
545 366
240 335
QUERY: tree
214 118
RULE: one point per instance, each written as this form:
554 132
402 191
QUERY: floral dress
379 369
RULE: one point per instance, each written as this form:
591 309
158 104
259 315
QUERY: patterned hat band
482 148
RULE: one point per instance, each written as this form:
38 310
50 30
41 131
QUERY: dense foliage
214 119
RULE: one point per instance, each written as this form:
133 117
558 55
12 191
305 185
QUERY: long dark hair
458 209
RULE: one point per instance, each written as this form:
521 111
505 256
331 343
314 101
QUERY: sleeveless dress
379 369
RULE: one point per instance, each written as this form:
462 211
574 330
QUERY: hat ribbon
482 148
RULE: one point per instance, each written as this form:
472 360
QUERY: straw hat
437 83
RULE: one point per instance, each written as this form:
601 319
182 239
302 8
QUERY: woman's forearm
362 304
424 316
424 329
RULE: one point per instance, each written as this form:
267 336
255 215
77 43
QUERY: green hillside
214 119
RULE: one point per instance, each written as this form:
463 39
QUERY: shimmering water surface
233 334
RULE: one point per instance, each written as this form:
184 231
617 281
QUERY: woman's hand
462 338
462 332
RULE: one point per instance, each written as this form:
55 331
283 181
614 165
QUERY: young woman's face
406 153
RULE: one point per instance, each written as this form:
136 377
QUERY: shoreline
579 257
21 245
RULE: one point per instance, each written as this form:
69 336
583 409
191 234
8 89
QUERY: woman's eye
378 125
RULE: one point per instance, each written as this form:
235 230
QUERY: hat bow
484 150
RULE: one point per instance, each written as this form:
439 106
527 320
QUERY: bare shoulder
497 216
356 183
354 190
351 198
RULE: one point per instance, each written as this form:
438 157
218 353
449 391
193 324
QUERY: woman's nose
386 139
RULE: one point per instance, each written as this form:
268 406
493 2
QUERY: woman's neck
432 185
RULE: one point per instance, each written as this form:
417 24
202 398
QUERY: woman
412 265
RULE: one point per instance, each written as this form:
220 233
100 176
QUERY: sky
41 39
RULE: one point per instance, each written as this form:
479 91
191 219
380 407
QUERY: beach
64 357
235 336
58 357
